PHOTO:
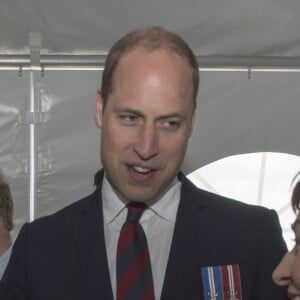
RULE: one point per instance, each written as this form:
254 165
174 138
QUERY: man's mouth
141 170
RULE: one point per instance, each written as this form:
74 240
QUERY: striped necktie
134 275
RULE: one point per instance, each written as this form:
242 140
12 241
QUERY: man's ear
2 227
98 109
193 122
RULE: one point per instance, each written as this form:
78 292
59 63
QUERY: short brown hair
296 197
6 203
150 39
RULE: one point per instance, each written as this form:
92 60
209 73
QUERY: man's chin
140 196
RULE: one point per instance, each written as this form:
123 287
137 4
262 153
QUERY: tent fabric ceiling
214 27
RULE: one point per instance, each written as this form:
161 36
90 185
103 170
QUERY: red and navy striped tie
134 275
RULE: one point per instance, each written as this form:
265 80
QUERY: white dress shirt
158 223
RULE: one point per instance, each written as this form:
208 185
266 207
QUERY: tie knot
135 211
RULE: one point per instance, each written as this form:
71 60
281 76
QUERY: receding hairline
154 38
151 39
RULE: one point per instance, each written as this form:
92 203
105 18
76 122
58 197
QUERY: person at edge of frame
287 273
6 223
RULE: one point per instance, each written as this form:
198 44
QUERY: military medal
221 282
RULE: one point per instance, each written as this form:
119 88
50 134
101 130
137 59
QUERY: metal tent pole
35 46
205 62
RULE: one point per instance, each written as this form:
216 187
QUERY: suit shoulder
221 204
60 217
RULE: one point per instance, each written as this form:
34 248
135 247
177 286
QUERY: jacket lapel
92 251
191 237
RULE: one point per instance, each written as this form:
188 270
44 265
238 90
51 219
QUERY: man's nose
282 274
146 145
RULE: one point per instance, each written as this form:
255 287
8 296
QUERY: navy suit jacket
63 256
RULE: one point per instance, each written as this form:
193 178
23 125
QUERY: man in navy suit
202 246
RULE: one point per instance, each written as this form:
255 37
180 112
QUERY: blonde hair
6 203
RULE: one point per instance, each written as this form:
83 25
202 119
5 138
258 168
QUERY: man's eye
172 124
131 118
128 118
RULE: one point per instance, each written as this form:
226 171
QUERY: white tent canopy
49 145
226 28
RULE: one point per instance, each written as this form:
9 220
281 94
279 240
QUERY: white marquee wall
68 141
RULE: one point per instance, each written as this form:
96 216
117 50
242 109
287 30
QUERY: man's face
146 123
288 270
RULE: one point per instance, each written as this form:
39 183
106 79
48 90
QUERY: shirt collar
165 206
6 254
112 203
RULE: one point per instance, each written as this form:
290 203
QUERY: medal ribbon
221 282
